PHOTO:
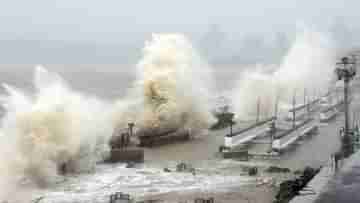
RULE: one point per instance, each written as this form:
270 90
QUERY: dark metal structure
346 73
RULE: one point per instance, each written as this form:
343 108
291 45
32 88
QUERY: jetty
282 133
330 112
248 134
300 111
156 137
122 149
289 137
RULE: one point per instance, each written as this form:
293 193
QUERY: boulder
253 171
130 165
167 170
183 167
291 188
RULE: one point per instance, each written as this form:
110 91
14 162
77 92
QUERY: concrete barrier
309 131
155 140
327 116
241 155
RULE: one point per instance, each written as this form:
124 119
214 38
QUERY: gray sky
113 31
117 20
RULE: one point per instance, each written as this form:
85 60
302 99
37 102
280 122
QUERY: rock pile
291 188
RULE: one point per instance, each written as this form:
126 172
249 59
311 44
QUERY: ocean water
111 82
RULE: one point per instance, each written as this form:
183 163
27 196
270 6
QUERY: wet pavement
345 187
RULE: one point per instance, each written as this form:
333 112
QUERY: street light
346 73
131 126
272 131
130 134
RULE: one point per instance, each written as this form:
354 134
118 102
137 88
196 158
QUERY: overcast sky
108 21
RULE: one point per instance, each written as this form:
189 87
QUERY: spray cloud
171 90
55 125
309 65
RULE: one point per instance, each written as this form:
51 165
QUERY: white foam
50 127
138 183
172 87
308 64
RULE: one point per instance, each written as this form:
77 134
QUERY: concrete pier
330 112
289 137
130 154
246 135
171 137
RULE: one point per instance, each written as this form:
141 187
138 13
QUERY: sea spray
308 65
53 126
256 92
172 88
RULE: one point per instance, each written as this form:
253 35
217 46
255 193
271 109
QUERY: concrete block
126 155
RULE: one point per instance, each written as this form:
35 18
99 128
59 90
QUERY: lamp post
346 73
276 107
307 104
258 110
228 117
131 127
231 124
272 131
294 111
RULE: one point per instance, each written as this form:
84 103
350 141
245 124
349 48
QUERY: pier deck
248 134
291 136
